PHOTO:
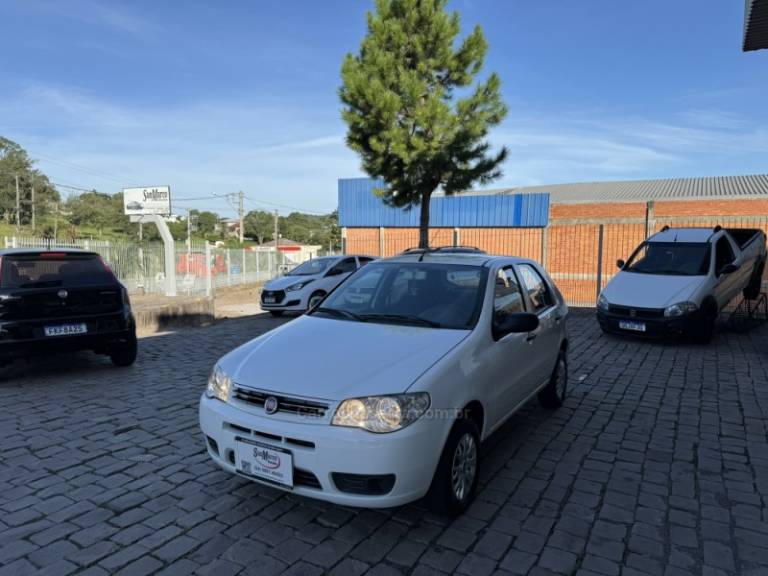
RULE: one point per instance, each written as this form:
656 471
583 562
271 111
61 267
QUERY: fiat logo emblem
270 405
633 313
63 293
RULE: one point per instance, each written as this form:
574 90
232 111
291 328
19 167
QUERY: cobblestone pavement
657 464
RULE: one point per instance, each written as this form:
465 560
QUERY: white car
383 393
308 283
678 280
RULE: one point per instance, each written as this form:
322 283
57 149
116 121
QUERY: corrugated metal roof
360 207
717 187
755 25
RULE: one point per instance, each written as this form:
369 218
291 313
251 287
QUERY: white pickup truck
678 280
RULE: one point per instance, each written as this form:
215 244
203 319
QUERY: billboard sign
147 201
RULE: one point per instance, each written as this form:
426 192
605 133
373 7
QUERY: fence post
242 276
381 241
544 245
258 257
456 237
344 240
599 261
207 269
229 269
649 224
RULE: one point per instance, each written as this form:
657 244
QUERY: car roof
695 235
32 251
467 258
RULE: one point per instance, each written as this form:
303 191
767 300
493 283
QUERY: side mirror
727 269
620 264
334 272
517 323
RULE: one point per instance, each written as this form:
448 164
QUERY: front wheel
706 331
455 480
124 353
315 299
276 313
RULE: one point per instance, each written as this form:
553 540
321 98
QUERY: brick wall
572 248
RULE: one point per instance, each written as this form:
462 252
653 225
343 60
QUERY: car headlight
602 303
382 414
298 286
219 384
680 309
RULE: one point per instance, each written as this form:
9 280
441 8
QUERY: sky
216 97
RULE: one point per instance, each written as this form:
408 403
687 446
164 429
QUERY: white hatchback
307 284
404 369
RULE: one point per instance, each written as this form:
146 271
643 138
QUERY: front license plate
269 300
635 326
263 461
66 330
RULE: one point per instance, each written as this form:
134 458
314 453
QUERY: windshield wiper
43 284
340 313
406 318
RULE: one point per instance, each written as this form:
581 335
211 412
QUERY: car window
538 291
723 253
53 269
363 260
346 265
670 259
507 297
311 267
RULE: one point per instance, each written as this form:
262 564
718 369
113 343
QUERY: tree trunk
424 221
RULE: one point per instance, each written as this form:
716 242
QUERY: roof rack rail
445 249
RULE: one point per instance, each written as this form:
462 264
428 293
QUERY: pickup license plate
263 461
65 330
634 326
269 299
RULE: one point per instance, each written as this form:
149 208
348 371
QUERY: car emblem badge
270 405
633 313
63 293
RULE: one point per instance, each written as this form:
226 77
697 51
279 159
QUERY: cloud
104 14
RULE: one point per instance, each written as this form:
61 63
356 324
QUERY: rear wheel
553 395
276 313
124 353
455 480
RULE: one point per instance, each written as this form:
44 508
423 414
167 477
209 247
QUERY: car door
504 363
544 342
726 285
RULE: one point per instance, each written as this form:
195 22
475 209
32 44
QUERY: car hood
336 359
650 290
284 281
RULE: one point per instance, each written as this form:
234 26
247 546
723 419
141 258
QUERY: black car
62 300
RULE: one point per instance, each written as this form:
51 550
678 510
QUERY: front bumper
654 327
319 450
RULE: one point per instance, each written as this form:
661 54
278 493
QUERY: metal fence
579 255
140 266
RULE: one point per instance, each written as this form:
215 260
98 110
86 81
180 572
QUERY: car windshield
425 294
670 258
49 270
311 267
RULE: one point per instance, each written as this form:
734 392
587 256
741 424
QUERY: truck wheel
276 313
455 480
752 290
553 395
124 354
706 330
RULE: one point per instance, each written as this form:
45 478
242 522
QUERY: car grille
366 484
305 478
278 295
285 404
629 312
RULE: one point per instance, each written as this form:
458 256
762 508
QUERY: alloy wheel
464 467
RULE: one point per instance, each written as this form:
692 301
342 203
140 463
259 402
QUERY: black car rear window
50 269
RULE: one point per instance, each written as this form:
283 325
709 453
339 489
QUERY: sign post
151 204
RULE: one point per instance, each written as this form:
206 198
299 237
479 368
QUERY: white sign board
147 201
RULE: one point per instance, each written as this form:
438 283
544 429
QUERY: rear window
53 269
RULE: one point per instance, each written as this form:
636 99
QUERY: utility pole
56 220
241 214
33 210
189 238
18 207
276 236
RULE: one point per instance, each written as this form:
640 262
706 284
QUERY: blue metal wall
359 207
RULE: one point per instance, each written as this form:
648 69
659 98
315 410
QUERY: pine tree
403 116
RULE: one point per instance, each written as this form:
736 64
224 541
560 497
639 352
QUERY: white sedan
402 371
308 283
